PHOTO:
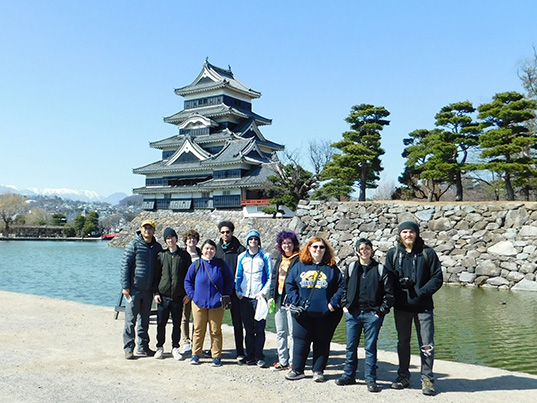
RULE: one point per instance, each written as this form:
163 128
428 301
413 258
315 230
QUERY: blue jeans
254 329
356 321
164 309
283 320
138 308
424 323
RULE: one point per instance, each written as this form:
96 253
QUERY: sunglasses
225 232
318 247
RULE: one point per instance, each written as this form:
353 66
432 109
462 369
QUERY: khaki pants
185 324
201 317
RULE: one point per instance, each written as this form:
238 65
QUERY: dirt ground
63 351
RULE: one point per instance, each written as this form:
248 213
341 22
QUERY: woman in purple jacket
206 281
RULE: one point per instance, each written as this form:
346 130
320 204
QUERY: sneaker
294 375
241 359
401 382
427 387
145 352
217 362
251 362
187 349
262 364
345 380
159 353
372 387
195 360
207 353
278 367
176 354
129 355
318 376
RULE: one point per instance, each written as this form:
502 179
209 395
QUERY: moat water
478 326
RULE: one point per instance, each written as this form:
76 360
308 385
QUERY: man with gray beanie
418 275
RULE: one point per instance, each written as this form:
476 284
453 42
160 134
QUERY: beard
407 243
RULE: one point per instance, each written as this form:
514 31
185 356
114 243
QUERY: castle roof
212 78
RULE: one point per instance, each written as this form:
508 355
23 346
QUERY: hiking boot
318 376
262 364
159 353
278 367
345 380
187 349
372 387
217 362
129 355
294 375
241 359
195 360
427 387
401 382
207 353
176 354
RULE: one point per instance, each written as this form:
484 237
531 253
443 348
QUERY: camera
406 283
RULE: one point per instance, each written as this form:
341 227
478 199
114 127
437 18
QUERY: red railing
255 202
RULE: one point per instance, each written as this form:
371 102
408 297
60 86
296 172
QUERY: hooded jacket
169 279
273 291
230 252
425 275
139 263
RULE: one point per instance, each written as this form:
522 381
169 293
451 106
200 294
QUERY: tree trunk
458 185
509 188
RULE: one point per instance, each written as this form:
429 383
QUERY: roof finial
207 59
229 67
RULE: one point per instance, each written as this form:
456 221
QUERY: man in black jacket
140 260
170 294
418 275
228 249
367 298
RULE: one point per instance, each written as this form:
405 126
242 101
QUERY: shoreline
58 350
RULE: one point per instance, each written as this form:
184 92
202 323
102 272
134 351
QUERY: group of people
308 294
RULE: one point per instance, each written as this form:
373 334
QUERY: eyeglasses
225 232
318 247
254 239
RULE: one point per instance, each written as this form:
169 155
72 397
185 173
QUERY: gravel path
64 351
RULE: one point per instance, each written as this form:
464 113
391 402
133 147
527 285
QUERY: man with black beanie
418 275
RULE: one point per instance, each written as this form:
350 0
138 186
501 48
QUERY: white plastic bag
261 311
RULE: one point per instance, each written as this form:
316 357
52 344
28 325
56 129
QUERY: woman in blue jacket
205 282
316 284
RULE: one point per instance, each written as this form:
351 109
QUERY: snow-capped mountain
71 194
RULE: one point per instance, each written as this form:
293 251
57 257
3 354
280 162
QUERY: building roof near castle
211 78
216 111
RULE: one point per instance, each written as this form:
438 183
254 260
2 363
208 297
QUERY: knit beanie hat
169 232
409 225
251 234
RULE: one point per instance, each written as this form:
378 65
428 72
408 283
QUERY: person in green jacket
170 294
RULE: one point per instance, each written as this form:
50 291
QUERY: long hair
328 257
282 235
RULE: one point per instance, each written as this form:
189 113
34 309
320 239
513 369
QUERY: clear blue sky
85 85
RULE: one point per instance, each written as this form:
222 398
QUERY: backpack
426 256
352 266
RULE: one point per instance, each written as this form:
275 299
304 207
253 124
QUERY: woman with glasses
316 284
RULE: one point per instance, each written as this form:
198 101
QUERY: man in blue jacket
418 275
137 269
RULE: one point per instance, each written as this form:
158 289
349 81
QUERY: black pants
236 320
164 309
319 331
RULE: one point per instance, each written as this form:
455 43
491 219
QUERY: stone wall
479 244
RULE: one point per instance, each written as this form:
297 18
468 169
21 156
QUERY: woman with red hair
315 285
